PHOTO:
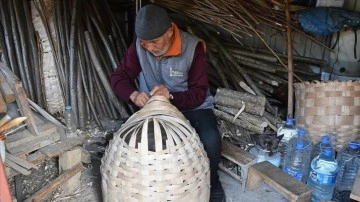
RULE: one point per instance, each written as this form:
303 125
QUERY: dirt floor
90 190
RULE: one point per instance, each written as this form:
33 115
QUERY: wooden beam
16 167
45 191
291 188
21 97
240 157
3 107
22 162
6 91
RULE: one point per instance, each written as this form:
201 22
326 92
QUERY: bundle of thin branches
238 17
18 42
86 42
85 74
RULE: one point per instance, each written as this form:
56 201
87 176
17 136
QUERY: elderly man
171 63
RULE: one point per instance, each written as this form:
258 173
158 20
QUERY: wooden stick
215 63
113 60
81 100
34 54
17 43
3 50
119 106
45 191
84 82
6 91
239 68
73 54
3 107
59 51
290 62
45 114
27 64
6 22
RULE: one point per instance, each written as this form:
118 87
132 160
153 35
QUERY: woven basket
156 156
331 106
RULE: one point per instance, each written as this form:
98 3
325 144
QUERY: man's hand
160 90
139 98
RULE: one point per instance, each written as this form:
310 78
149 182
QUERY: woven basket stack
332 106
156 156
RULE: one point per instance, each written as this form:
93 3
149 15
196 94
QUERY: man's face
159 46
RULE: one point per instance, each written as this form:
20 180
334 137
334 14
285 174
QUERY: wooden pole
290 62
45 191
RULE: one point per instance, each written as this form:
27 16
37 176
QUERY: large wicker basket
331 106
156 156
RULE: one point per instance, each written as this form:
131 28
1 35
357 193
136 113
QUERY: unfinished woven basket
156 156
331 106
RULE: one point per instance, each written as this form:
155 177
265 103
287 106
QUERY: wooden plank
19 188
25 136
6 91
21 98
286 185
229 172
355 192
16 167
61 147
20 161
45 191
3 107
39 120
45 114
236 154
240 157
36 157
35 144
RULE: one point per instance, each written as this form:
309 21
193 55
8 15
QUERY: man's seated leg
205 124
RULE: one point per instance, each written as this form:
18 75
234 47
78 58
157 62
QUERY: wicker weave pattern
156 156
331 106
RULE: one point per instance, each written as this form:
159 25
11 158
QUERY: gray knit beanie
151 22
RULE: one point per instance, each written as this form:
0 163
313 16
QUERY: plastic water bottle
349 163
323 174
297 156
325 141
288 130
70 121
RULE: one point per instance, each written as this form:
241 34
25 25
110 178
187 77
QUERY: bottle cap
301 131
325 139
290 121
299 145
68 107
354 144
